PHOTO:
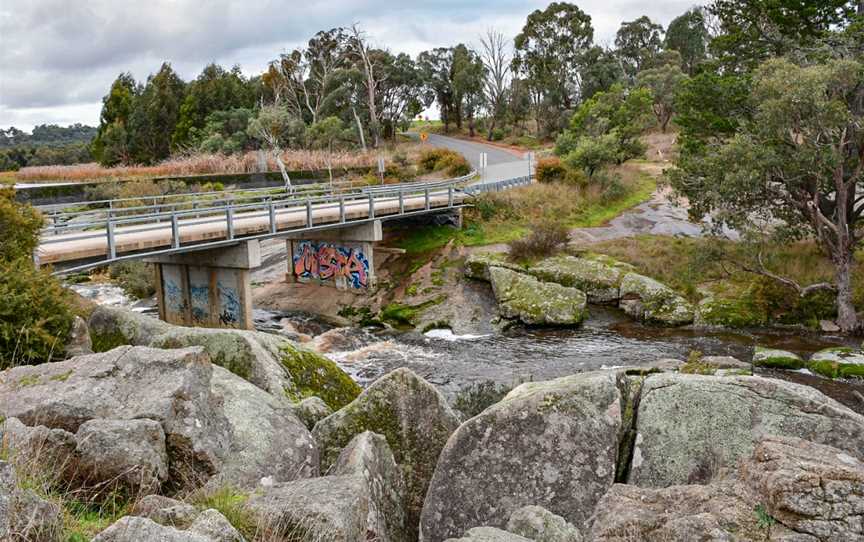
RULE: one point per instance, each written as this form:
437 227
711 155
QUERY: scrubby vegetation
451 162
35 317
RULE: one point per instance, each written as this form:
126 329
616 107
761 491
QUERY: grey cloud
64 53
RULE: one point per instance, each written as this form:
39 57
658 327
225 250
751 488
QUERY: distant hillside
50 135
47 145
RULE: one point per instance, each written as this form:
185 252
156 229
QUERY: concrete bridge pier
343 258
207 288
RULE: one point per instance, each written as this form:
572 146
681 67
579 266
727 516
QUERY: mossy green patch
835 369
405 316
62 377
226 349
103 342
231 503
314 375
27 381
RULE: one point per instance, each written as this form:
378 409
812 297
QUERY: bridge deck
153 237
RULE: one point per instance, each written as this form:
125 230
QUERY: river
608 339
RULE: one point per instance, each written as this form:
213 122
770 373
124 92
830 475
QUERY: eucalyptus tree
550 55
111 144
436 69
788 169
638 42
154 116
688 34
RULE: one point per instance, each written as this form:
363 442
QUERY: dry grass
202 164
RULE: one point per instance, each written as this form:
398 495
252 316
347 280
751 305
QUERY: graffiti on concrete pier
327 261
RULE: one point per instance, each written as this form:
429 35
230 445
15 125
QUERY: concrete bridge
204 246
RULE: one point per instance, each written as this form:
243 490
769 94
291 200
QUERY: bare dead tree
372 79
496 56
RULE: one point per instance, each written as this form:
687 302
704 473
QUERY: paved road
502 164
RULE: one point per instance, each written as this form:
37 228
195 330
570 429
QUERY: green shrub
497 134
545 239
135 277
444 159
20 225
550 170
35 315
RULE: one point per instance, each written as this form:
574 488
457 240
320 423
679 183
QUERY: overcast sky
59 57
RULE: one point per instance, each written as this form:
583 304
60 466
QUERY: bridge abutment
207 288
343 258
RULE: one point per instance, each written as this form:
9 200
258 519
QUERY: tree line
47 144
341 90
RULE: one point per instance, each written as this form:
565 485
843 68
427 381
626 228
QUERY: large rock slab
332 508
597 279
272 363
477 265
368 455
165 511
714 512
171 387
524 298
646 299
268 440
127 454
810 488
211 526
552 444
414 418
691 428
788 490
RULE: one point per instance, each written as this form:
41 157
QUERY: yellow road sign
424 136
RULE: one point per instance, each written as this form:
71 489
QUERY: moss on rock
598 279
776 359
728 306
477 265
838 362
532 302
313 375
646 299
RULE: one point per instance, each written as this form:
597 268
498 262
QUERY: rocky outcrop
488 534
272 363
840 362
268 440
720 511
477 265
524 298
599 280
776 359
727 305
552 444
810 488
788 490
211 526
148 419
414 418
23 514
312 410
541 525
646 299
332 508
692 428
368 455
171 387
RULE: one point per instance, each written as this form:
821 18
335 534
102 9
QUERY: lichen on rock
599 280
477 265
524 298
838 362
646 299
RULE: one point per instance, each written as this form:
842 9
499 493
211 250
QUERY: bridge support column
208 288
343 257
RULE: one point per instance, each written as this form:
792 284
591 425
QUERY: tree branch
802 291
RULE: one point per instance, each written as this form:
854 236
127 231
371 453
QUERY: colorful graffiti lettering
325 261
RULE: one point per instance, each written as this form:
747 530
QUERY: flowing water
608 339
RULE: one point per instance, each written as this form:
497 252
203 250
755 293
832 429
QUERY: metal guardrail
112 226
497 186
